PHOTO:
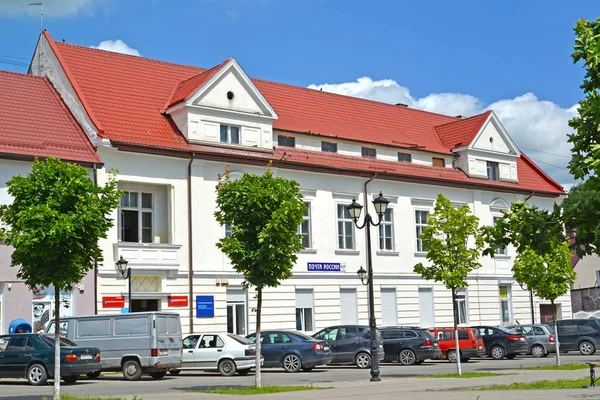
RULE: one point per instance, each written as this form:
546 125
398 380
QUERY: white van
134 343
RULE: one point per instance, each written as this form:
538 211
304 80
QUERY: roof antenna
40 55
40 3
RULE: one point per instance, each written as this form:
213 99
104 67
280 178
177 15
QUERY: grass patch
559 384
464 375
256 390
566 367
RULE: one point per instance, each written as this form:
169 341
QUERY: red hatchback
469 341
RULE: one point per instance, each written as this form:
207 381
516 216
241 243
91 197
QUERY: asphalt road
115 385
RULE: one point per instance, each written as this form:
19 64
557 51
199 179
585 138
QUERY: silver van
134 343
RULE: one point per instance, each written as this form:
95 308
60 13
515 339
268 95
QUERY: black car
31 356
579 334
350 344
501 342
292 350
408 345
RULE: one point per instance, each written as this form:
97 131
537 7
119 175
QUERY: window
227 230
304 310
386 231
136 217
505 304
389 308
404 157
190 342
211 341
410 334
93 327
275 338
345 228
500 250
492 171
348 306
237 311
461 306
369 152
438 162
329 147
304 228
131 326
539 331
230 134
597 278
288 141
329 334
420 223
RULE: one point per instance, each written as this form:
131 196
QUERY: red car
469 341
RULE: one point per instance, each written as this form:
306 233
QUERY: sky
452 57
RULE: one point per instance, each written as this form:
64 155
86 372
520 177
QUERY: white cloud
52 8
117 46
539 127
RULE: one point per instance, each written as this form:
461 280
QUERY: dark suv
350 344
408 345
579 334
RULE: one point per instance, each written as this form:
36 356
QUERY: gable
491 138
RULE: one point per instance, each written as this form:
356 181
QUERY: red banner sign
178 301
113 301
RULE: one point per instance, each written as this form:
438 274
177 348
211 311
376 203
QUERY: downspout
190 243
95 179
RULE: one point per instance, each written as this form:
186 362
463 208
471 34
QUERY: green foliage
264 213
548 275
55 221
585 153
446 238
581 212
539 385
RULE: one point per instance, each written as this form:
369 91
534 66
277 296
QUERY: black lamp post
354 209
126 274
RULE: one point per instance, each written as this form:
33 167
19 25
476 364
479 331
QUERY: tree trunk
56 342
456 343
258 382
555 333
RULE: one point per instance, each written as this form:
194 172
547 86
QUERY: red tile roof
125 95
462 132
35 122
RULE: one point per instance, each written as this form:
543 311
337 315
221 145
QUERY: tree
548 276
54 223
581 213
446 239
264 213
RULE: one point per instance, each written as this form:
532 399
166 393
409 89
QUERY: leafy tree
446 239
581 213
54 223
264 212
548 276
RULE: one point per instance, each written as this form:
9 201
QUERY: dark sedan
501 342
409 345
31 356
292 350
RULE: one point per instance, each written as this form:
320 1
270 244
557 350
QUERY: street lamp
354 209
126 274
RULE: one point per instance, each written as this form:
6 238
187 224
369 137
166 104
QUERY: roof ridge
463 119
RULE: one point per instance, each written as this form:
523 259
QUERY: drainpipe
95 179
190 243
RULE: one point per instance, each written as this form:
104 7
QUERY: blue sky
452 57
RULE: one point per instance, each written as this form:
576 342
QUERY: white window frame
227 230
464 298
234 303
307 217
380 230
507 300
500 251
140 210
337 228
416 226
239 128
303 318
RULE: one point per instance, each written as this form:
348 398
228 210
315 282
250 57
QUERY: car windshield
239 339
507 330
303 336
63 342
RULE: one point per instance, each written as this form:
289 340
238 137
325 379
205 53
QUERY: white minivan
134 343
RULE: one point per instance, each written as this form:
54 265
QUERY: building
35 122
171 129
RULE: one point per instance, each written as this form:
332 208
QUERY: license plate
163 352
480 347
522 339
326 348
85 357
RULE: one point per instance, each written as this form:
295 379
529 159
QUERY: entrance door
236 311
141 305
426 313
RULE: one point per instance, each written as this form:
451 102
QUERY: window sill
308 251
501 257
420 254
387 253
347 252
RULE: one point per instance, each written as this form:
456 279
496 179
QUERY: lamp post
126 274
354 209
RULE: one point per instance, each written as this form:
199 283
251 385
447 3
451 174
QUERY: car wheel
465 359
586 348
132 370
70 379
227 368
307 369
407 357
451 356
93 375
362 360
243 371
538 351
175 372
497 353
37 375
291 363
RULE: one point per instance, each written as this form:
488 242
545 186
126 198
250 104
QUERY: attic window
404 157
329 147
438 162
230 134
369 152
288 141
493 173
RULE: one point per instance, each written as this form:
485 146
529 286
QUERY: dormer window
404 157
230 134
287 141
329 147
438 162
369 152
493 173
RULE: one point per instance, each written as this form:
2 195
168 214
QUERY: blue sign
205 306
124 310
326 267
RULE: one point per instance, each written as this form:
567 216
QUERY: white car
223 352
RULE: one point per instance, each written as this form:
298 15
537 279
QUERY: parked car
408 345
31 356
216 351
469 340
134 343
501 342
293 351
350 344
579 334
540 338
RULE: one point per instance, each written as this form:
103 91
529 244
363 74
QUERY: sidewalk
423 389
